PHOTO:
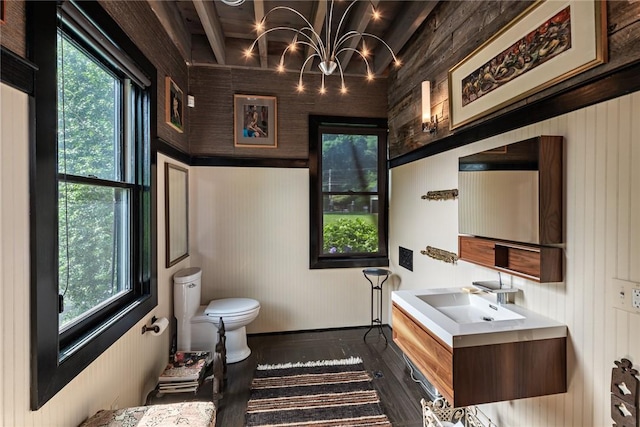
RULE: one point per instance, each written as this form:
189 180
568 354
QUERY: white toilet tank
186 300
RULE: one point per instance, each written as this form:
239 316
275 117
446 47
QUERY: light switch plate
625 295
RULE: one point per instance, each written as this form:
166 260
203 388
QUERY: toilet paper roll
159 326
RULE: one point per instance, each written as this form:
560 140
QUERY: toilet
198 324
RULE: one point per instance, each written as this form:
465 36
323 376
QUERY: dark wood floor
400 396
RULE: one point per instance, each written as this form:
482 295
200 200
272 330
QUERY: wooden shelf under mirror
539 263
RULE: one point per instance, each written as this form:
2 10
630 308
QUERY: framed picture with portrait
255 121
174 105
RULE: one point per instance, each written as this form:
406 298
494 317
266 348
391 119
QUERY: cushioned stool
193 414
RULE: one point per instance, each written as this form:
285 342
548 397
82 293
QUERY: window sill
349 262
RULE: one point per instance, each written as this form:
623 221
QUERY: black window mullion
319 126
58 358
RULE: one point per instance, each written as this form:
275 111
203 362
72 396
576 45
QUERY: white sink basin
461 319
469 308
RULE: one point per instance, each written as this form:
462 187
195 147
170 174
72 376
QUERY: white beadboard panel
14 276
602 232
123 375
250 235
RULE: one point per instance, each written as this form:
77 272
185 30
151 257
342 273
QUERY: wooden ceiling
210 32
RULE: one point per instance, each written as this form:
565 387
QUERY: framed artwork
255 121
2 11
176 203
549 42
174 105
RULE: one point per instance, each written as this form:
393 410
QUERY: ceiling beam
258 10
363 15
169 16
319 14
212 27
404 26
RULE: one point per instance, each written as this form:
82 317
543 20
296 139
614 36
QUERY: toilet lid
230 306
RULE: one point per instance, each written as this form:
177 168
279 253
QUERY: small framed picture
174 105
255 121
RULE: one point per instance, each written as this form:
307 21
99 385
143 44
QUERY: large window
348 192
91 249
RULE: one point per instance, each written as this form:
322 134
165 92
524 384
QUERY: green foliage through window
346 235
94 217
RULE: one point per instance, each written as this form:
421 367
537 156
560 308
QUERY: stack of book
185 373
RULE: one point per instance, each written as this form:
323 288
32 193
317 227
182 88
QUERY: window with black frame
348 192
91 244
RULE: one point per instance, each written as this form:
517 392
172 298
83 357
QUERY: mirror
499 193
177 213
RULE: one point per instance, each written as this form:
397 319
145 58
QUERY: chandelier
327 51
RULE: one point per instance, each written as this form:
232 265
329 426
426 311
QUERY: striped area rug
323 393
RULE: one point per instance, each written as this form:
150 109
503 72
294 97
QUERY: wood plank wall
140 23
13 31
453 31
211 128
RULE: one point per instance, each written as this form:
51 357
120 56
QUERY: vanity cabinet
539 263
482 373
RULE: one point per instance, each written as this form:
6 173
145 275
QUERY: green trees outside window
94 209
348 192
349 186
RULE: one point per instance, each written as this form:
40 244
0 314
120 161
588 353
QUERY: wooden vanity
475 374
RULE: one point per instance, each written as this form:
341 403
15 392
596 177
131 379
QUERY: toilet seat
231 307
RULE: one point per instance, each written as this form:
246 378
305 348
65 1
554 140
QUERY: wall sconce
428 124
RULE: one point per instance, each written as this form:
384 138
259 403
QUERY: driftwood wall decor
624 394
441 195
440 254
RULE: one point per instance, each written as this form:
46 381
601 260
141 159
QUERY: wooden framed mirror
176 204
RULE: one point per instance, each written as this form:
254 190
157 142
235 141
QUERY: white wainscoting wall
250 235
126 372
602 227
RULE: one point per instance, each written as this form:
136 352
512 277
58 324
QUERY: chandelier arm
346 36
364 58
343 89
287 8
304 43
312 41
310 57
381 41
297 31
346 12
328 21
292 10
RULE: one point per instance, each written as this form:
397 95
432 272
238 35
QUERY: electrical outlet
636 298
625 295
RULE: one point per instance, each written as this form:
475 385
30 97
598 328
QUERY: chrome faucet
497 288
